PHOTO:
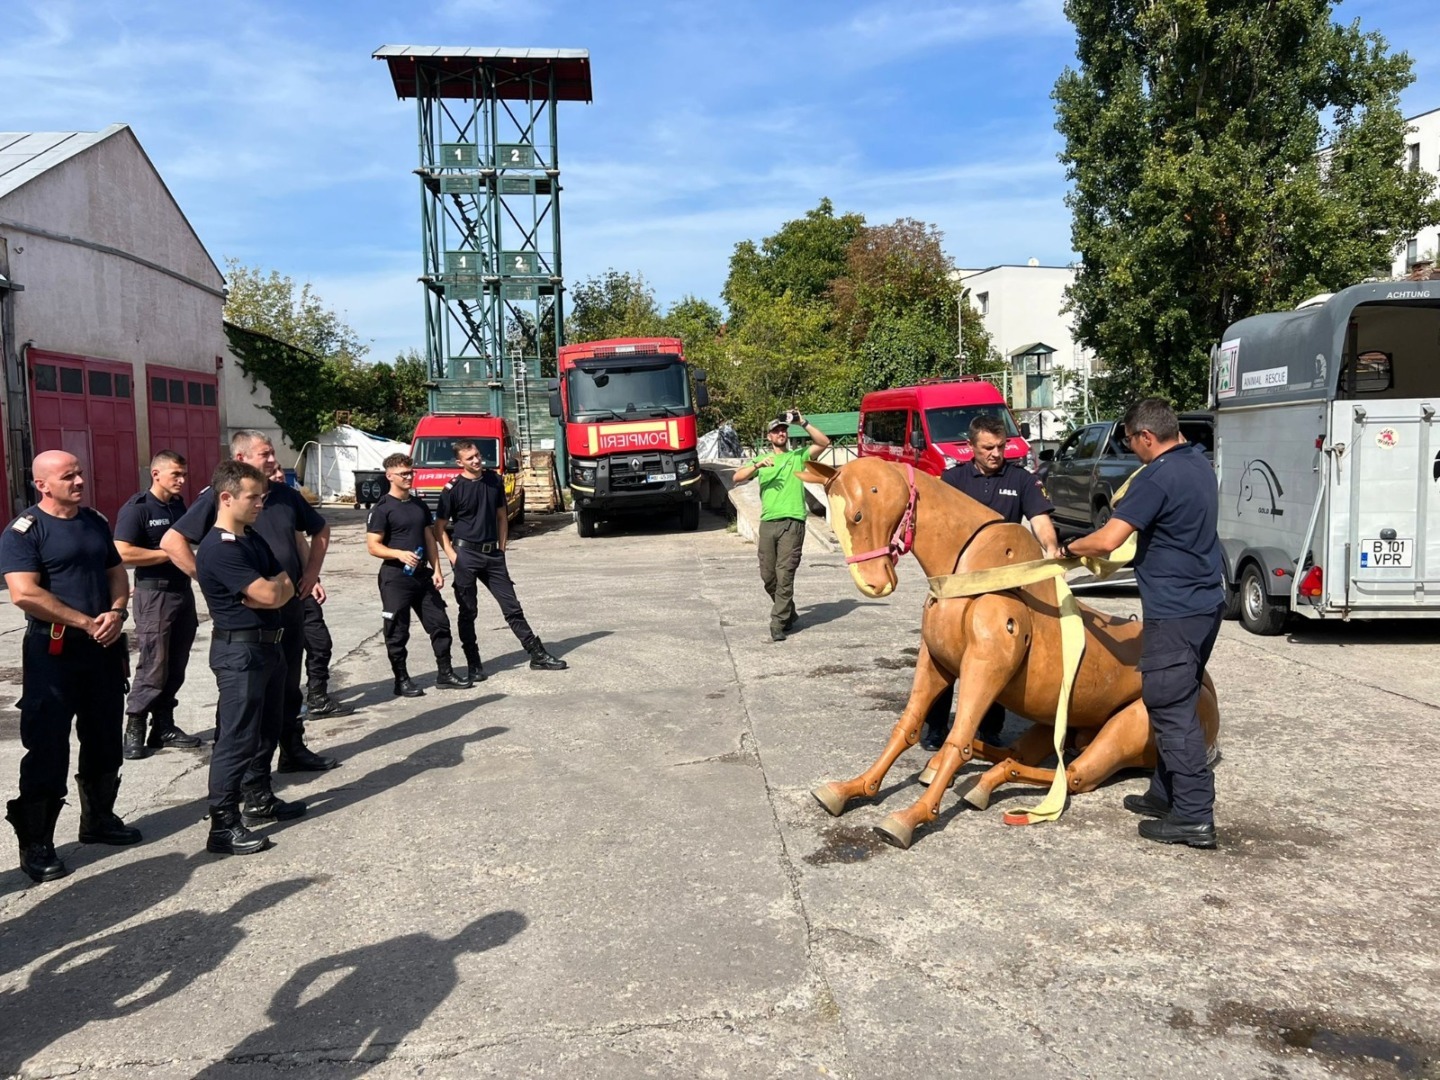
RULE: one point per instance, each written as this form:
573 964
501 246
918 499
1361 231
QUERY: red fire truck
629 420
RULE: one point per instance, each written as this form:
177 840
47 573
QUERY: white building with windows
1046 374
1422 151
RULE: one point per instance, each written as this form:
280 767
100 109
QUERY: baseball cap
778 424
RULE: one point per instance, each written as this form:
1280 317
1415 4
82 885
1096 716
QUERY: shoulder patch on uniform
97 513
23 523
449 484
227 535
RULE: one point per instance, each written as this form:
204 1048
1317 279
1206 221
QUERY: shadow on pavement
829 611
126 970
385 991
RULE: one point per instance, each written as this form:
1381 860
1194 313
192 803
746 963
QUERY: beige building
111 329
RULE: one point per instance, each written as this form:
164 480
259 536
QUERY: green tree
271 304
1227 158
614 304
802 258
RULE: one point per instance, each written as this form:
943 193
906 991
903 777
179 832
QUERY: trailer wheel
585 522
1258 612
1232 602
690 516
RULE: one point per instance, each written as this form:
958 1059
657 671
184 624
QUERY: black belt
251 637
163 584
42 629
475 545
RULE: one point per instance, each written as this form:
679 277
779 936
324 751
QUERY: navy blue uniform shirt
71 555
400 523
1174 503
286 513
225 565
1014 492
142 521
471 505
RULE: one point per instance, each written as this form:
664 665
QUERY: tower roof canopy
514 70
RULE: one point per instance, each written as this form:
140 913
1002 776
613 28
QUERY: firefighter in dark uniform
1173 503
1013 492
472 507
165 620
245 588
400 531
62 570
286 513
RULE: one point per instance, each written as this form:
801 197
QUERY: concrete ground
618 870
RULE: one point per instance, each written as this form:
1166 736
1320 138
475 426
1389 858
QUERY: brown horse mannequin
1002 646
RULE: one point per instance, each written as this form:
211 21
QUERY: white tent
327 465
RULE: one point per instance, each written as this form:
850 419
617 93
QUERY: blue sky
712 123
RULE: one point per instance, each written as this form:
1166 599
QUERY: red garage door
185 417
87 407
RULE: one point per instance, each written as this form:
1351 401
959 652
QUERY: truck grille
628 473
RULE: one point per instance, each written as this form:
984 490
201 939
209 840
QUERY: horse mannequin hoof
830 799
894 831
976 796
927 776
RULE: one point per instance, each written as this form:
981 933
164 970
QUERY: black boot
295 756
164 732
446 679
134 742
34 822
98 821
540 660
261 806
403 686
474 672
228 835
319 704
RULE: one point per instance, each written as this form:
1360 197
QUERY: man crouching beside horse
1005 644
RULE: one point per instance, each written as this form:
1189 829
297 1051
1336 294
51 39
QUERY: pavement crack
1332 669
750 743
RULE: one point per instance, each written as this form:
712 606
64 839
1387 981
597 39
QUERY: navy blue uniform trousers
251 678
1172 668
85 683
476 568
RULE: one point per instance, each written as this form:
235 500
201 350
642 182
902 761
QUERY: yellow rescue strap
1072 638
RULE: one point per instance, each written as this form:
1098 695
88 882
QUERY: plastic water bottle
419 554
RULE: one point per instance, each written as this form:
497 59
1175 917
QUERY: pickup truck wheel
1259 613
1101 515
585 522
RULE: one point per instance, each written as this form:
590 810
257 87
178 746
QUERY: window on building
45 377
1412 157
196 395
209 393
982 301
157 390
102 384
177 391
1412 252
122 385
72 380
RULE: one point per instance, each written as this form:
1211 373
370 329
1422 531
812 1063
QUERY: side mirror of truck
1047 455
553 386
917 440
1025 429
512 465
702 395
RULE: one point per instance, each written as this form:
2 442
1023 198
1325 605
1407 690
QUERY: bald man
62 570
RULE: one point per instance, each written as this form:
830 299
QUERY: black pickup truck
1090 465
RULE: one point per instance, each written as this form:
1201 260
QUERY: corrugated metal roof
24 155
515 68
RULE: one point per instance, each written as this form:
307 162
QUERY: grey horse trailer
1328 459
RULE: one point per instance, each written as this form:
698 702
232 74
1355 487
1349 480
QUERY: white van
1328 457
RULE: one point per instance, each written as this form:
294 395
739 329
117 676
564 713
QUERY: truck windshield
952 423
618 392
432 452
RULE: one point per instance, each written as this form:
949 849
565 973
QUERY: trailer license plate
1378 553
662 477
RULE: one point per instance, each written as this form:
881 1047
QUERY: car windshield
628 392
952 423
433 452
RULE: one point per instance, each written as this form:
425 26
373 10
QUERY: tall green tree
614 304
1227 158
803 257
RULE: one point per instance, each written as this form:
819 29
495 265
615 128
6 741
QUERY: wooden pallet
540 483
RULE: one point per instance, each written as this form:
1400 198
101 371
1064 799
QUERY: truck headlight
582 472
687 467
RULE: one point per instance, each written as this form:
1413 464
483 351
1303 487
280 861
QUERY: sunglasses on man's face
1128 440
402 475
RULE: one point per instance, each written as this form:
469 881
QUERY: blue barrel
292 479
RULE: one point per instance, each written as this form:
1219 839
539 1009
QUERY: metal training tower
490 221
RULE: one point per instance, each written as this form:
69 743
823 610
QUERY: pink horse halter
904 536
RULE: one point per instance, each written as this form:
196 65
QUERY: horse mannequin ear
816 473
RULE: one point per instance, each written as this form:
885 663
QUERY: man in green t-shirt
782 513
